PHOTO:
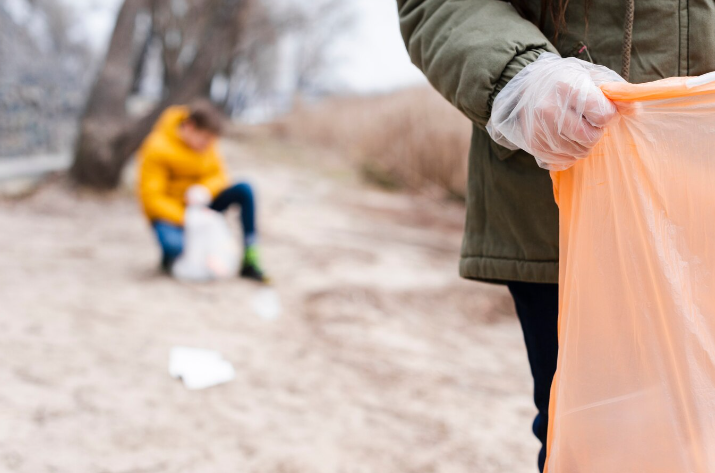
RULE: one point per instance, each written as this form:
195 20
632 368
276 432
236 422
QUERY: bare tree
178 25
334 18
198 41
308 28
108 136
104 119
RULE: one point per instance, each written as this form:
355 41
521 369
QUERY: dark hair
205 116
551 10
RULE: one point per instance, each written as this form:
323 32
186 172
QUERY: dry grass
412 139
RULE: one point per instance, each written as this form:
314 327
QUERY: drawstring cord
627 39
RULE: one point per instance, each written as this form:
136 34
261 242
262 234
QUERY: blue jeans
537 306
171 237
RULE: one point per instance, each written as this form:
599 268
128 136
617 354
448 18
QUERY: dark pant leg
171 240
240 194
537 306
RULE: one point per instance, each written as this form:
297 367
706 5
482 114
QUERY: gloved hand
554 110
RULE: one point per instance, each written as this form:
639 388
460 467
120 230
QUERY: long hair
551 10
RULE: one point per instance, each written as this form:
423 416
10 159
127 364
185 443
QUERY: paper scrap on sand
199 368
267 304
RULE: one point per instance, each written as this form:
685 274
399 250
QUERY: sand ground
382 359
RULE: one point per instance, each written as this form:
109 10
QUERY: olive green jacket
469 49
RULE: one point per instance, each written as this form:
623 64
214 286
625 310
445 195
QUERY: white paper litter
267 304
199 368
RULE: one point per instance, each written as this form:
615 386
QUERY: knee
242 192
243 189
540 427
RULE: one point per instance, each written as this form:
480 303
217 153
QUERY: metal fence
41 93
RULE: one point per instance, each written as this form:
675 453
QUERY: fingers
598 110
554 110
584 98
578 130
563 130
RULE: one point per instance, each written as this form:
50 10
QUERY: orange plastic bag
634 390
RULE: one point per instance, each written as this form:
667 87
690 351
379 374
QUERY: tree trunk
105 114
103 152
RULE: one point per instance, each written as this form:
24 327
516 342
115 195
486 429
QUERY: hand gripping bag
634 390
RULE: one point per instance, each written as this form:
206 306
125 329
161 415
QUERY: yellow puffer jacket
168 168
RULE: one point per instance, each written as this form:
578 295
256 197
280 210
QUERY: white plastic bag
210 251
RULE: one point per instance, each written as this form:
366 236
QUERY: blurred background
368 353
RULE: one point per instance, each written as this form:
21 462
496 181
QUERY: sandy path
382 360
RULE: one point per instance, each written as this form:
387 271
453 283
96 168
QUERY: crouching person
181 152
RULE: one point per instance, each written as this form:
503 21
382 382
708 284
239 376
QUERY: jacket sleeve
469 49
153 183
216 179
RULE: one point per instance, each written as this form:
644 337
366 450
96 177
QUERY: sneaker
249 271
166 265
251 268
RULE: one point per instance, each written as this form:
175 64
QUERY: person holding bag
527 74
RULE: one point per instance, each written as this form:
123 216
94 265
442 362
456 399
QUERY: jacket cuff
513 68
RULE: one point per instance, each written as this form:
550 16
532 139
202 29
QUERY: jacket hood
169 121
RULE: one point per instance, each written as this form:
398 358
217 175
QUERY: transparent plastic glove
554 110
